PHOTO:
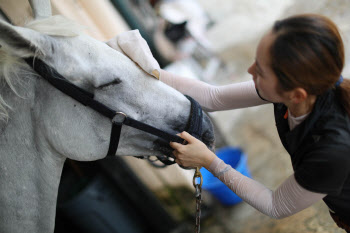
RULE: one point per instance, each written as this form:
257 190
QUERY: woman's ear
298 95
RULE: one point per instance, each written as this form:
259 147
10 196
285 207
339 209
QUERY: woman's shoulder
331 137
335 121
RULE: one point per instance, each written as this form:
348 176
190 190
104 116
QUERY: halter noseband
118 119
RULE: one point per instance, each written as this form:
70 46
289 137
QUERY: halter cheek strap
118 118
194 127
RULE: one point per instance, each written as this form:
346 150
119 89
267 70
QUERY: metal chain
198 208
198 194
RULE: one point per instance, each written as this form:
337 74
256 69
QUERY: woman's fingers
175 153
175 145
184 154
177 160
188 137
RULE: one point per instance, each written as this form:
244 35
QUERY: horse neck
29 176
18 130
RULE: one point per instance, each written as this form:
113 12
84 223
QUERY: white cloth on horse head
132 44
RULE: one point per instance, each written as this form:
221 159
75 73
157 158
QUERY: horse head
67 128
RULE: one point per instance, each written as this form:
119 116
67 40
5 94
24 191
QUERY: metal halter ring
119 117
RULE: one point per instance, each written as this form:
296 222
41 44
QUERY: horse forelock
56 26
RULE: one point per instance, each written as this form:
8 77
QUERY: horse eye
114 82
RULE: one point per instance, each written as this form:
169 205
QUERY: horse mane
12 66
56 26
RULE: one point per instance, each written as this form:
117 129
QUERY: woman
297 68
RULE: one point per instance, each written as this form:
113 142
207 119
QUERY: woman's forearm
215 98
288 199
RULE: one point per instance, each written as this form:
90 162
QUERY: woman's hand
194 154
136 48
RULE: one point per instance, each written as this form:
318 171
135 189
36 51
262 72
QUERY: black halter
119 119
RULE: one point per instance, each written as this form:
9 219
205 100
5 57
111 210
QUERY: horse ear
19 41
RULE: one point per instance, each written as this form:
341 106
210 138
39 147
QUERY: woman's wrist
209 158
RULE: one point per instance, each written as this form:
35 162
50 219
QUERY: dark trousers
340 222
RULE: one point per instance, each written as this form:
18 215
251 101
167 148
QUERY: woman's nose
251 69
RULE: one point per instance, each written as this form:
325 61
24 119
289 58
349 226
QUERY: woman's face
264 78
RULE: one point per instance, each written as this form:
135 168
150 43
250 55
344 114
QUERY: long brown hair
308 52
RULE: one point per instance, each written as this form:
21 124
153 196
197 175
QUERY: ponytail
343 94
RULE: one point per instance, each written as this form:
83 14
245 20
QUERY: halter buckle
119 118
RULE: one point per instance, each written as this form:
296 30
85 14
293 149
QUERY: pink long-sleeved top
289 198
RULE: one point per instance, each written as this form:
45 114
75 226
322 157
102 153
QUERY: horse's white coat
45 126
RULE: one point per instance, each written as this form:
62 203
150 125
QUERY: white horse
40 126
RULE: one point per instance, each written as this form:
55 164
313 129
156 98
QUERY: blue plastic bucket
238 160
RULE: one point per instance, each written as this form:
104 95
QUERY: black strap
117 127
194 126
195 123
115 137
86 98
152 130
58 81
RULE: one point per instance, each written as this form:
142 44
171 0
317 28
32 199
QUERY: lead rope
198 194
